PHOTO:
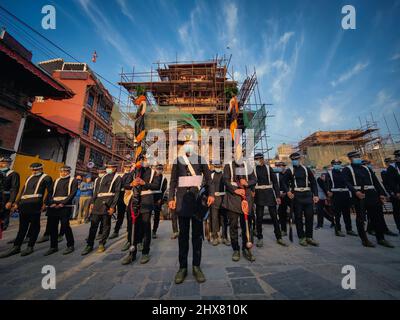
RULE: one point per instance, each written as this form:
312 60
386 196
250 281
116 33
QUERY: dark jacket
102 203
297 178
339 182
282 181
126 180
34 205
62 190
159 195
153 183
266 197
186 196
11 186
219 186
393 178
232 201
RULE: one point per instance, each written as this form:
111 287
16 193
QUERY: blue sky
317 75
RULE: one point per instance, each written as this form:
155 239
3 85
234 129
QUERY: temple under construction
194 95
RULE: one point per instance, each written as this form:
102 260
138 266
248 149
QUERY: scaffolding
193 93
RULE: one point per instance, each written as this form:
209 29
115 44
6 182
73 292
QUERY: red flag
94 57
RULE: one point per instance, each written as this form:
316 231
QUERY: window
82 152
99 135
102 112
86 125
97 158
90 100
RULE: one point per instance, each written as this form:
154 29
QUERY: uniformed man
104 202
219 219
388 162
31 202
281 173
367 163
126 179
59 210
323 205
304 193
189 172
368 196
101 172
340 195
239 181
11 188
158 199
149 182
393 185
267 193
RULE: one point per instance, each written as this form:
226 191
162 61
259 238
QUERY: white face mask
109 170
257 162
145 164
127 170
36 174
218 170
101 175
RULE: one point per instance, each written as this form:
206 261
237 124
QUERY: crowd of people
223 197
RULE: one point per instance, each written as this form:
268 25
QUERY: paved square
278 273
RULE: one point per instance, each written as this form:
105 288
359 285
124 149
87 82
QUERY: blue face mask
356 161
277 169
295 162
4 169
188 148
337 166
370 166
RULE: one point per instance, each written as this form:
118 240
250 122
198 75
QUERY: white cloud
125 9
284 39
298 121
330 111
385 102
351 73
396 56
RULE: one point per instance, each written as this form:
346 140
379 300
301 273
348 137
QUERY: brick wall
9 129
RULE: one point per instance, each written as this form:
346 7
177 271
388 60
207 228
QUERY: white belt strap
302 189
264 186
30 196
35 194
218 194
339 189
59 198
105 194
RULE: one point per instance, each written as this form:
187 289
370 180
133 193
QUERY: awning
53 125
63 91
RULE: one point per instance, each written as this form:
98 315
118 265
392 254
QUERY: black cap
101 168
111 164
354 154
396 153
65 168
159 166
336 161
5 159
258 156
36 166
365 161
295 156
387 160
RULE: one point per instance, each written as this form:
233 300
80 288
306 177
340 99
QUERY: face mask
101 175
295 162
356 161
36 174
370 166
257 162
127 170
145 164
337 166
4 169
109 170
159 171
188 148
218 170
276 169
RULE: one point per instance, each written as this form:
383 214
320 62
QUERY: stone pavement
278 273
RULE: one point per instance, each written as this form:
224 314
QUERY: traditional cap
36 166
258 156
5 159
387 160
111 164
365 161
65 168
101 168
295 156
336 161
159 166
354 154
397 153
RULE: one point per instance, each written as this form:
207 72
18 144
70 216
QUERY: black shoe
14 250
385 243
87 250
114 235
368 244
69 250
391 233
339 233
50 251
27 251
126 246
26 240
180 275
352 233
60 238
154 234
236 255
198 275
128 259
44 238
248 255
371 232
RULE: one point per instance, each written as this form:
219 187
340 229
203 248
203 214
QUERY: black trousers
183 239
174 221
31 221
396 211
95 220
143 230
306 209
322 212
283 213
53 221
259 220
156 221
374 212
121 209
215 221
342 208
234 220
